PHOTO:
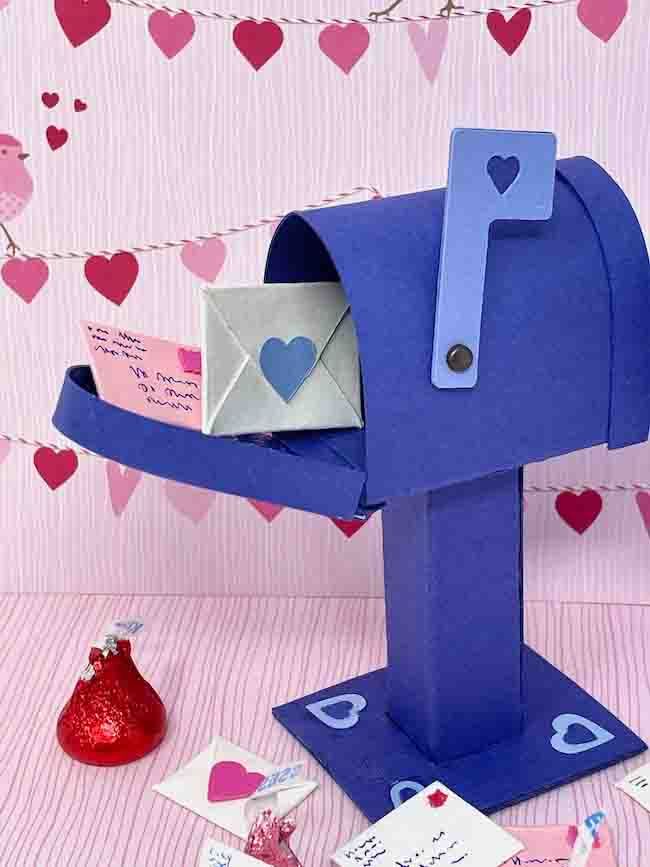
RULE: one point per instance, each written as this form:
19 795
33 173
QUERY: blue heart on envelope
287 365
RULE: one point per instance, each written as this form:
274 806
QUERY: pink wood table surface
220 664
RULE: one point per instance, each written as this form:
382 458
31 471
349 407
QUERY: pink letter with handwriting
553 845
144 374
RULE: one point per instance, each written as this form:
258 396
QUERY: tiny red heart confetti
80 105
438 798
55 468
56 138
579 511
49 100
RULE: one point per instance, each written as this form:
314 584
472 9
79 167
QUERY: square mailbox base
567 735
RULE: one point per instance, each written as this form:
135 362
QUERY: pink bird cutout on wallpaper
16 185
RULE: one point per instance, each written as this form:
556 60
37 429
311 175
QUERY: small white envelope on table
230 775
279 357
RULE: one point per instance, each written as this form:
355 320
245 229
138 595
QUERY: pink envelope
145 375
553 844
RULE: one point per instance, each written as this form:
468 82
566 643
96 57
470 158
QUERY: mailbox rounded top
565 357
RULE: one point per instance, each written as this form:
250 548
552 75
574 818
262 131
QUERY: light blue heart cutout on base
356 703
563 723
287 365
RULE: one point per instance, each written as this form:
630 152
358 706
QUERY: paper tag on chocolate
216 854
284 778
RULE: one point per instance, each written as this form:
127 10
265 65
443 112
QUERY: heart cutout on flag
25 277
193 503
204 259
509 33
258 41
121 485
579 511
82 19
112 277
171 33
344 44
55 467
230 781
503 172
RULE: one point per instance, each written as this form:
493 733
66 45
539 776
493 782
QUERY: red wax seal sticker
438 799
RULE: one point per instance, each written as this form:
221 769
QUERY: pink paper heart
602 17
26 277
171 33
643 502
258 41
194 503
206 259
429 45
344 45
230 781
55 467
121 485
269 511
190 360
5 448
349 528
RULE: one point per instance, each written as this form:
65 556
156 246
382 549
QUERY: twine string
372 18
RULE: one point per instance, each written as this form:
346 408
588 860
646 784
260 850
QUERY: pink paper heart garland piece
204 259
230 781
602 17
25 277
82 19
643 502
171 33
345 45
429 45
579 511
122 483
112 277
509 33
55 468
193 503
349 528
269 511
258 41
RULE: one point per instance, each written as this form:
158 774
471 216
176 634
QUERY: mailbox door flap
544 383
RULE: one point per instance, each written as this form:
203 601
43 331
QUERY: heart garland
345 45
25 277
579 511
55 467
509 33
171 33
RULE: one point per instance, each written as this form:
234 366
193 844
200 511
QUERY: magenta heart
56 137
230 781
349 528
80 105
643 502
258 41
205 260
602 17
190 360
194 503
82 19
112 277
344 45
25 276
54 467
269 511
121 485
171 33
49 100
429 45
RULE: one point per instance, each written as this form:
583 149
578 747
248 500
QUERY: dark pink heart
230 781
80 105
112 277
349 528
50 99
55 468
171 33
269 511
25 276
190 360
345 45
82 19
643 502
258 41
56 138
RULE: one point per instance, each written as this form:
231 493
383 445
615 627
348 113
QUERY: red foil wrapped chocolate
268 841
114 716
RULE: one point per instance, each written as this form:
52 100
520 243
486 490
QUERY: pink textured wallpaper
168 149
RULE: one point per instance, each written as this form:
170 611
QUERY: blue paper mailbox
560 310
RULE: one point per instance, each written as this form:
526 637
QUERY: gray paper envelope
242 394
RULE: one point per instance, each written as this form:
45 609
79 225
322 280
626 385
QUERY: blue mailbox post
564 364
